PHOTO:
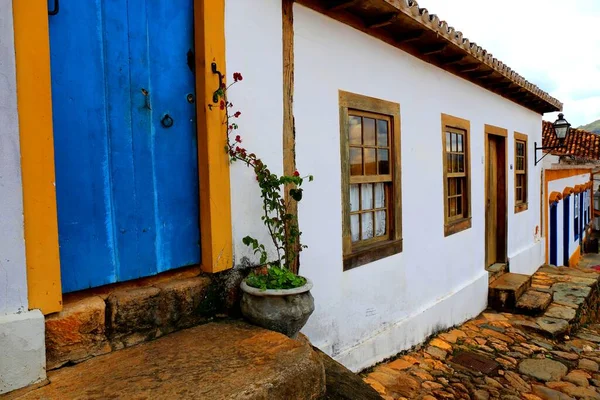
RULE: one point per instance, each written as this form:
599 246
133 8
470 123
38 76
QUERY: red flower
237 114
238 139
222 105
238 77
296 173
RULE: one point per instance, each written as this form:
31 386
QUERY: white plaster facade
22 351
376 310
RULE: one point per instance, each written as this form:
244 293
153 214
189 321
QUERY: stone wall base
22 350
98 324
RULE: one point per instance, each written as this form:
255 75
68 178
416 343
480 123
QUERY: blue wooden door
566 230
125 139
553 233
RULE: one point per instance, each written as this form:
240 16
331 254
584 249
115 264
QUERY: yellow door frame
34 97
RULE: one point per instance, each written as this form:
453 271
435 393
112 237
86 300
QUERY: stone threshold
101 320
218 360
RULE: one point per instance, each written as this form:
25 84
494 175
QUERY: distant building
569 193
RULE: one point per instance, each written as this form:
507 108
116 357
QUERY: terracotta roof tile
580 143
422 15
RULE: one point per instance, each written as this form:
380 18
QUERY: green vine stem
281 224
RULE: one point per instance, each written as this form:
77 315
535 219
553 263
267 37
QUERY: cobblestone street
509 356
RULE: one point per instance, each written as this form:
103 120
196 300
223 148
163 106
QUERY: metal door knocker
167 121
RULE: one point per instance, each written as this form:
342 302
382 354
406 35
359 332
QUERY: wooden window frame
521 205
355 255
452 226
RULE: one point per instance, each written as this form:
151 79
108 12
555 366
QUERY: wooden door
566 230
495 236
554 234
125 139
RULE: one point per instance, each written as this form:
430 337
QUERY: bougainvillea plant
281 224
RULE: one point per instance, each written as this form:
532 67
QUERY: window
520 172
576 216
371 196
457 180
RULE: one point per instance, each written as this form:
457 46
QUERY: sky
529 36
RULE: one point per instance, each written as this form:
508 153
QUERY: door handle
167 121
56 8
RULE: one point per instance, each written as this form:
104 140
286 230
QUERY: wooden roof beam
382 20
453 59
435 49
482 74
335 5
410 36
469 67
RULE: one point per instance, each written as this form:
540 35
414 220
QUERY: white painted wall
372 312
254 48
376 310
559 185
13 278
22 348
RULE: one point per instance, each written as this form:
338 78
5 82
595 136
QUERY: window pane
366 195
519 194
459 204
452 207
379 195
380 223
367 225
354 198
451 186
461 163
449 162
448 147
370 162
368 131
383 161
453 141
382 132
355 227
356 167
355 130
460 143
459 185
454 163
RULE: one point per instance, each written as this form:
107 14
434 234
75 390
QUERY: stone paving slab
555 356
226 360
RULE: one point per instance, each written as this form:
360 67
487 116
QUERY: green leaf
296 194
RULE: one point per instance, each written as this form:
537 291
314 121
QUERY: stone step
495 271
575 300
224 360
505 291
110 320
533 302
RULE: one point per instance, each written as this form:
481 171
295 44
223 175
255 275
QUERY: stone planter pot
285 311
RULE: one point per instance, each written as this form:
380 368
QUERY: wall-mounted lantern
561 130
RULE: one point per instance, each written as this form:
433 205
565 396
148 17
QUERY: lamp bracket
561 146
